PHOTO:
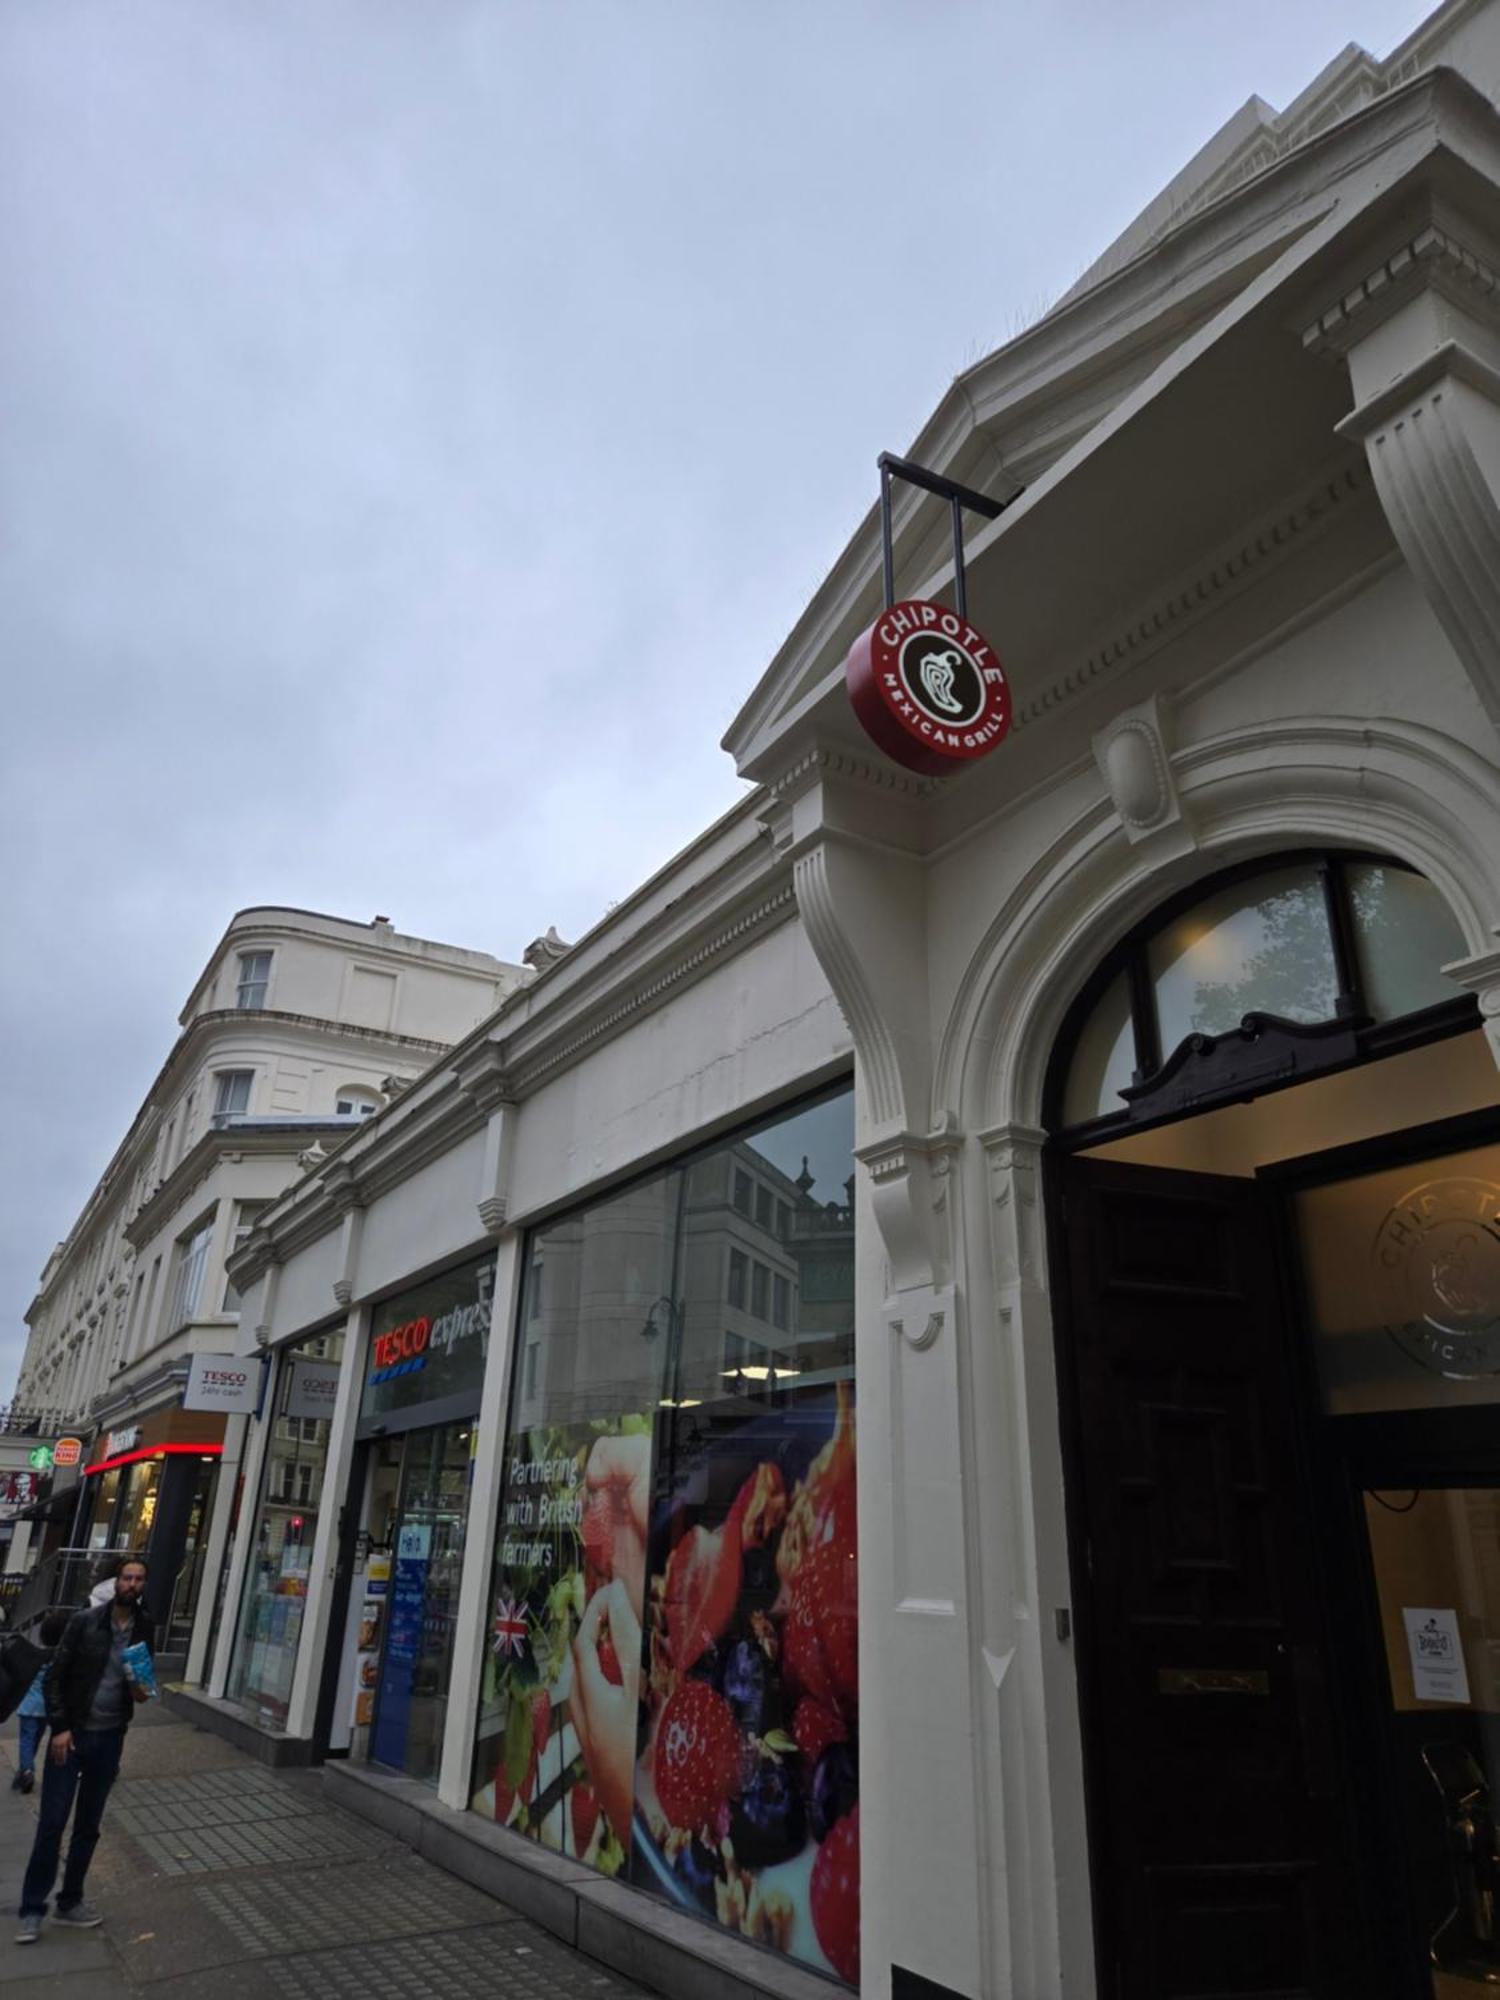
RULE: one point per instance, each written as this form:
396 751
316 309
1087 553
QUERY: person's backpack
20 1663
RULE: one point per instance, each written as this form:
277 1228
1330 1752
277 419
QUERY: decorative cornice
823 761
772 909
1225 575
1434 256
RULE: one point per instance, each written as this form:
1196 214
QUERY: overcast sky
421 420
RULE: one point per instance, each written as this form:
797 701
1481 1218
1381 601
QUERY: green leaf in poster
518 1744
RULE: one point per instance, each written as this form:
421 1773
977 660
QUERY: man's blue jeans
30 1731
87 1776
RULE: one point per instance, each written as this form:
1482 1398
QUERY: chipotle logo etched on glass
928 688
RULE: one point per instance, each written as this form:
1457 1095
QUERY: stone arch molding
1398 787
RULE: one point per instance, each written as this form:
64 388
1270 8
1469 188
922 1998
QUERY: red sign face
927 687
67 1451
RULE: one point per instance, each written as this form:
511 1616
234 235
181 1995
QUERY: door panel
1219 1851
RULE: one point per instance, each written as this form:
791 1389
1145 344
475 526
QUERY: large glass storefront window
285 1523
670 1690
423 1376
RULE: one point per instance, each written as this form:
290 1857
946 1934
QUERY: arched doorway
1274 1196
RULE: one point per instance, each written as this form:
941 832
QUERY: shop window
674 1559
282 1525
255 976
1267 977
187 1281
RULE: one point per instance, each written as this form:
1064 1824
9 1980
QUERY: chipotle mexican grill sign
927 687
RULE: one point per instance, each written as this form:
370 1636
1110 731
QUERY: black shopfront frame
1337 1459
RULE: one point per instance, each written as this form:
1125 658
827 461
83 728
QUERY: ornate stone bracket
1014 1153
1481 976
348 1198
1433 441
483 1080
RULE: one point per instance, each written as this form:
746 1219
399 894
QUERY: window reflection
1404 933
1261 946
675 1554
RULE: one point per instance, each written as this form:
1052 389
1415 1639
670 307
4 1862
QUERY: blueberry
697 1868
767 1823
746 1685
759 1574
835 1787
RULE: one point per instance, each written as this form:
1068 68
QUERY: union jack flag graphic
510 1627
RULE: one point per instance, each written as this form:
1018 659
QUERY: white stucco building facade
299 1027
1167 1044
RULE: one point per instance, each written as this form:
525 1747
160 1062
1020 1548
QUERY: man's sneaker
24 1780
82 1916
29 1929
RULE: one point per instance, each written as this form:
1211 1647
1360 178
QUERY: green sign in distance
39 1458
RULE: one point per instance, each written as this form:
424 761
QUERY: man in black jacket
89 1702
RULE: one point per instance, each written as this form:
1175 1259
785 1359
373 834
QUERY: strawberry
585 1807
820 1643
597 1531
815 1726
833 1897
699 1754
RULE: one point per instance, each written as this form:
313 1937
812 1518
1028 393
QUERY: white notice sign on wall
222 1382
1437 1655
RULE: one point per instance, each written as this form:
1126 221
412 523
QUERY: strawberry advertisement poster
561 1691
747 1781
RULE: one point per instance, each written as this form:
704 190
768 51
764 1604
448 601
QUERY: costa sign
928 688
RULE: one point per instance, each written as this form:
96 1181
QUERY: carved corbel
348 1200
1420 333
1481 977
266 1323
483 1079
1014 1153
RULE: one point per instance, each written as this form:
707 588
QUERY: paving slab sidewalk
222 1880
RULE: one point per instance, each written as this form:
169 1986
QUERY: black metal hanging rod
958 497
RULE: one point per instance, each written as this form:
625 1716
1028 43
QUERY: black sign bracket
958 497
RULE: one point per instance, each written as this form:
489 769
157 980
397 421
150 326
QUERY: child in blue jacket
31 1712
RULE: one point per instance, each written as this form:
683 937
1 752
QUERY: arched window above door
1266 974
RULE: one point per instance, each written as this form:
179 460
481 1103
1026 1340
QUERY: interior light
755 1372
782 1373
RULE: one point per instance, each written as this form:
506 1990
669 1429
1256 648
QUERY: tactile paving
507 1962
265 1917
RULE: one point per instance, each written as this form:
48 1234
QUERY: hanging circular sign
67 1451
39 1458
927 687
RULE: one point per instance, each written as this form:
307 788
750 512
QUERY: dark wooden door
1219 1844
